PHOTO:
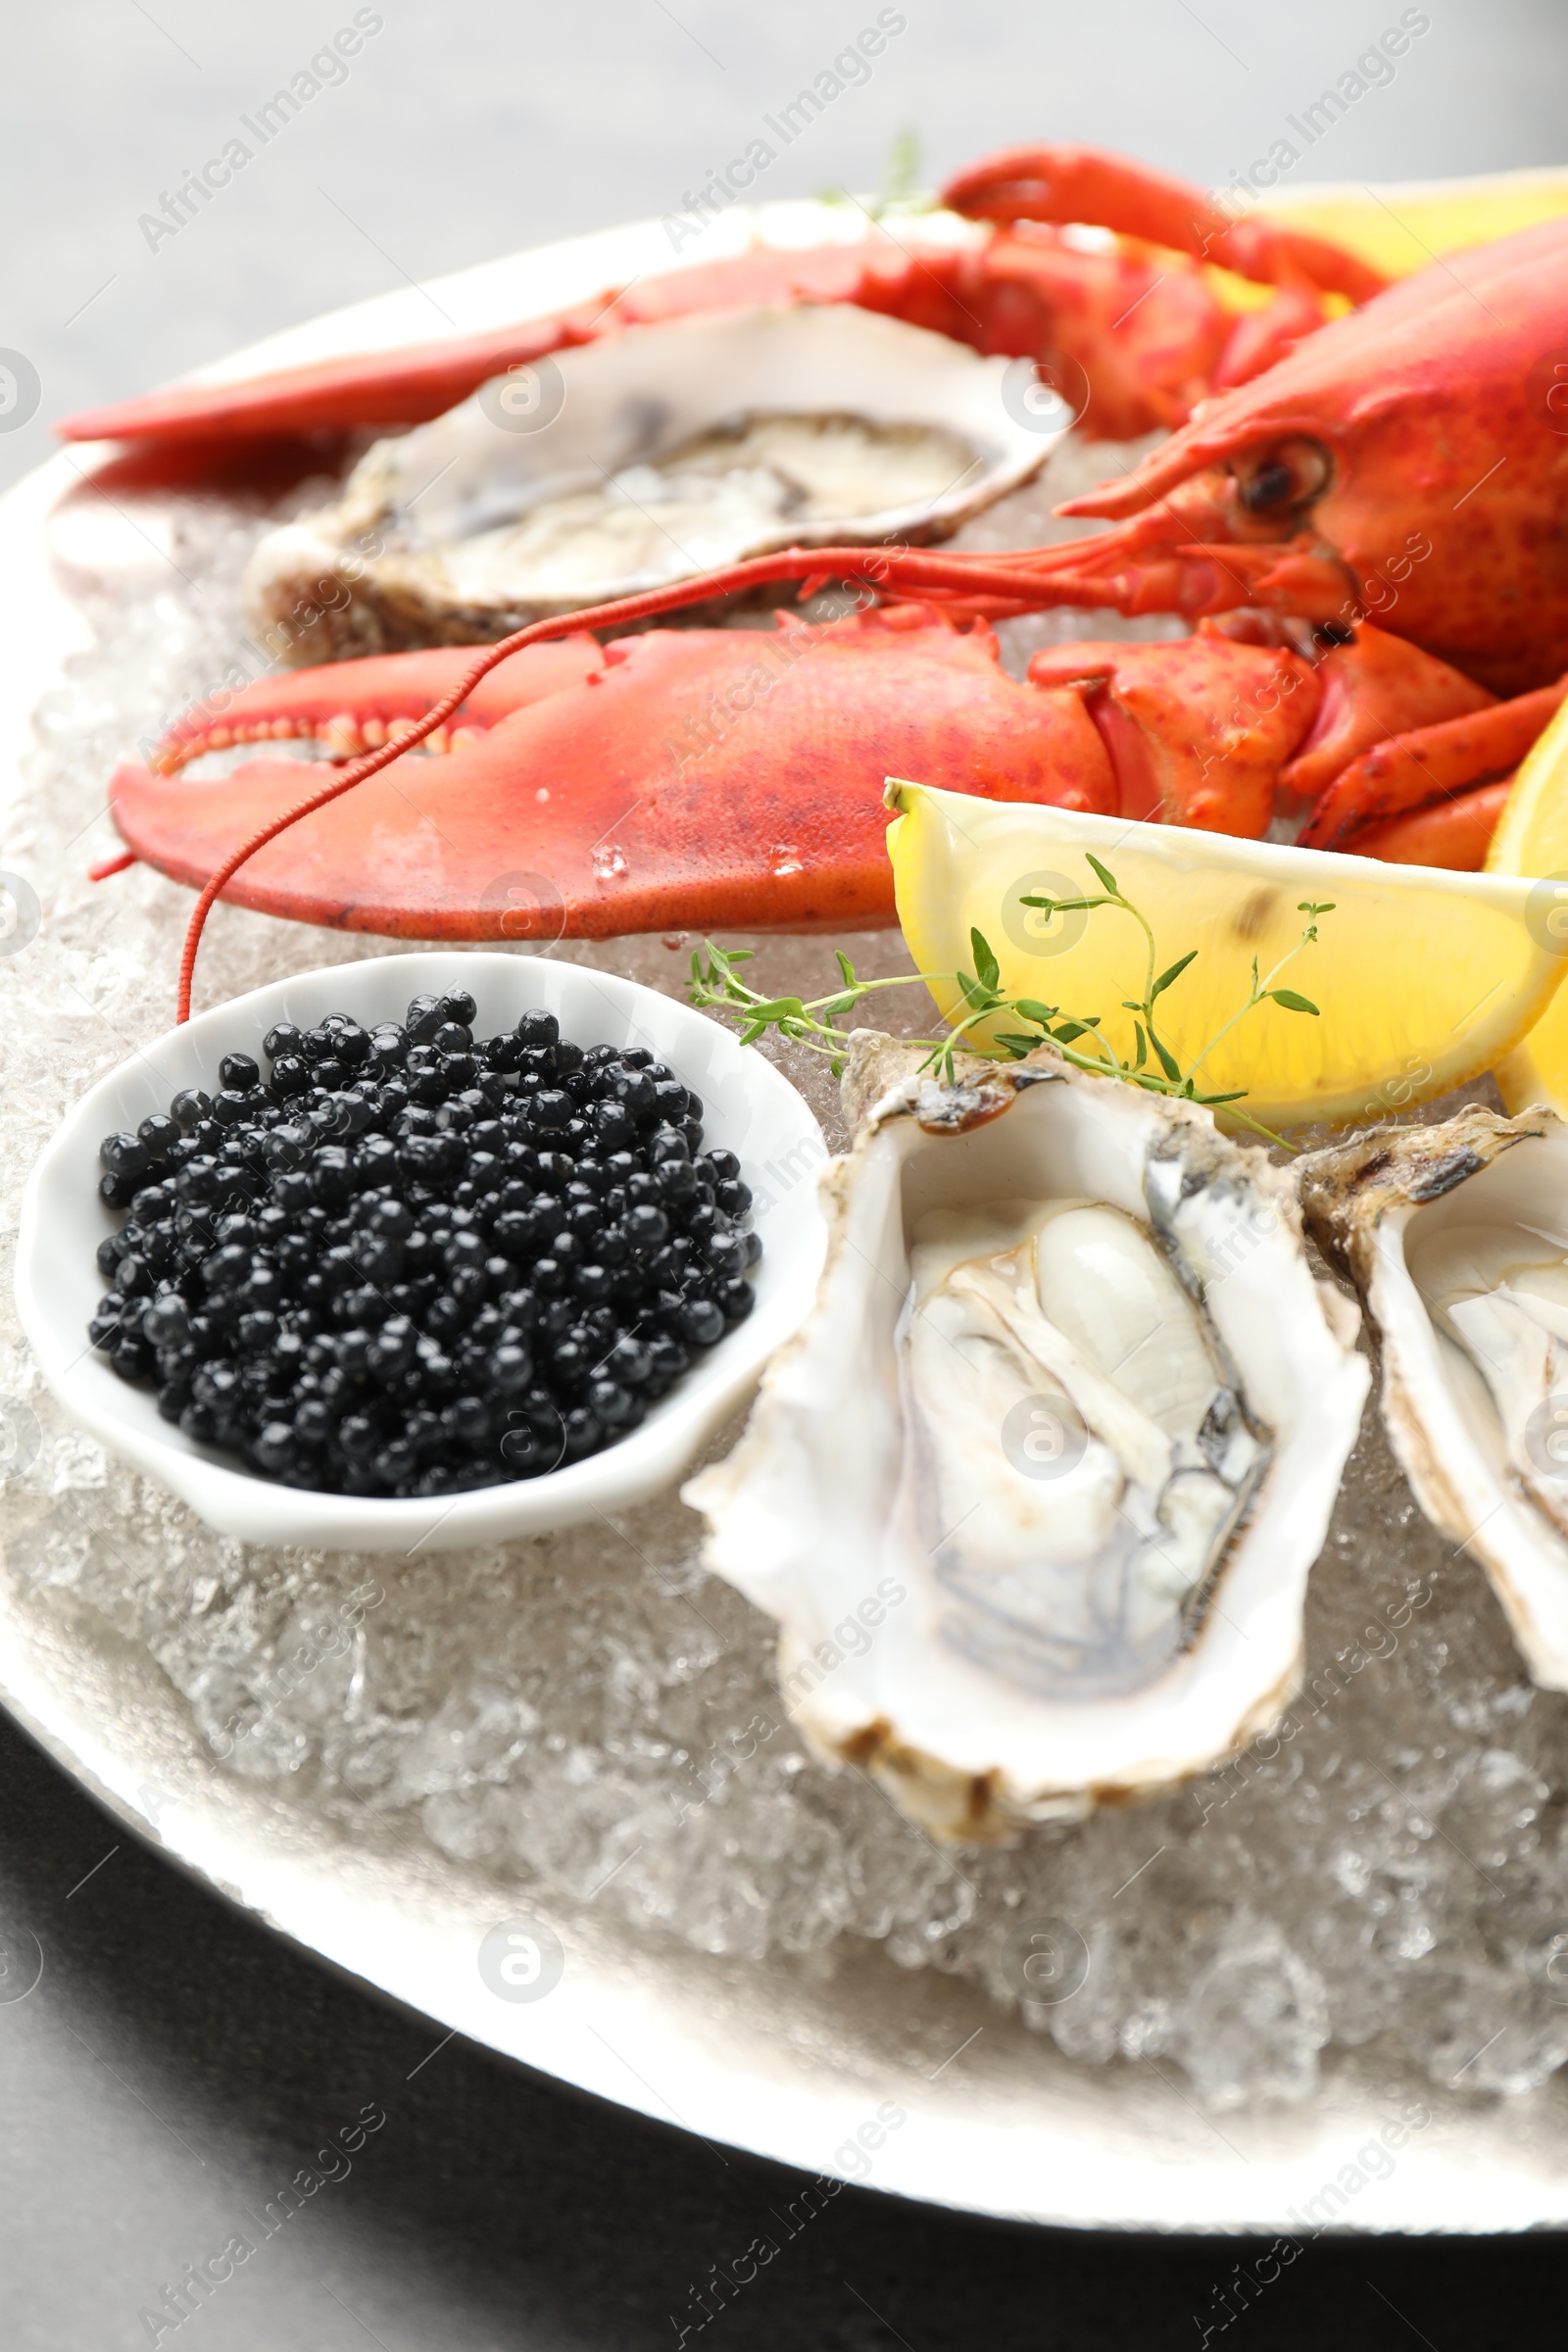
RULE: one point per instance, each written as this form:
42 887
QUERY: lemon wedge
1400 227
1422 978
1532 839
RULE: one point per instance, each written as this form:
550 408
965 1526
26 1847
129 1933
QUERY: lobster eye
1279 479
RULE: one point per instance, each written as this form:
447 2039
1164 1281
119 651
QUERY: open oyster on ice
1035 1490
643 459
1456 1235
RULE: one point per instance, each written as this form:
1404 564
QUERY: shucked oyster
643 459
1034 1492
1148 1452
1457 1238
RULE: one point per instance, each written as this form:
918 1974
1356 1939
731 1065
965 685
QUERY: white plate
748 1109
784 2057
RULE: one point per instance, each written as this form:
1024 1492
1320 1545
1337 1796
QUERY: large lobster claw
696 778
1086 183
1144 335
732 778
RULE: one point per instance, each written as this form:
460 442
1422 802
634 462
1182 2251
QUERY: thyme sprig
718 986
900 192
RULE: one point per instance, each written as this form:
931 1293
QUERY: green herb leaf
1174 973
900 175
716 982
985 962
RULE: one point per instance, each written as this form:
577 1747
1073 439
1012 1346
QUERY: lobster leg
1428 765
1455 833
1375 687
1231 728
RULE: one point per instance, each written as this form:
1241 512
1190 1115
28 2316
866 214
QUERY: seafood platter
785 1108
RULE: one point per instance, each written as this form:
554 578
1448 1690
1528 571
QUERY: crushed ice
589 1713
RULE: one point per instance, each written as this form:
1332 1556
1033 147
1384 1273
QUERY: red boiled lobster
1135 336
1402 464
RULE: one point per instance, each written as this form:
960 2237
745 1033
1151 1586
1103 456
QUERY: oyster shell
630 462
1034 1492
1457 1237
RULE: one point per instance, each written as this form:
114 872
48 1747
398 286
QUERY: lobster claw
353 707
1086 184
696 778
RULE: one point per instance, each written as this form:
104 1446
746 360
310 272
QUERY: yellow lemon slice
1532 839
1401 226
1422 978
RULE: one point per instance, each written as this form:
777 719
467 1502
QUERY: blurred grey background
183 2061
465 129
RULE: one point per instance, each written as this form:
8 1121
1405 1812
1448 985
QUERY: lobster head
1409 461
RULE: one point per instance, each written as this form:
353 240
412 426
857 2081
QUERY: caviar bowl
748 1109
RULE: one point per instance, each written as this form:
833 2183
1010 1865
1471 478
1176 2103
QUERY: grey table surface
176 2063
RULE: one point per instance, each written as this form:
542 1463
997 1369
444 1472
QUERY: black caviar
409 1261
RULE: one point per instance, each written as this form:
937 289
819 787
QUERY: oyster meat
1035 1491
641 460
1456 1235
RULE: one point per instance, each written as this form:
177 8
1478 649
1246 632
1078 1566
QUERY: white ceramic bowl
748 1109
